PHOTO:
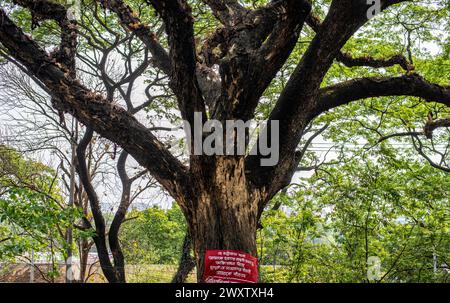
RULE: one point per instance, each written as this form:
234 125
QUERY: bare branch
129 20
350 61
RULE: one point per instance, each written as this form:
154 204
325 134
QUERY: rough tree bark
187 263
222 197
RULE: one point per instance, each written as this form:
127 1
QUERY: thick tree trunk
83 249
114 245
225 213
187 262
223 230
114 273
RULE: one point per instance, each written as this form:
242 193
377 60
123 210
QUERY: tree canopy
359 98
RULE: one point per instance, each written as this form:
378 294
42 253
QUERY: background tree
36 119
157 237
33 217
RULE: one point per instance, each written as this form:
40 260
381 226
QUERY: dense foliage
338 220
33 219
153 236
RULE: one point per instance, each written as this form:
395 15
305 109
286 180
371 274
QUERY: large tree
223 76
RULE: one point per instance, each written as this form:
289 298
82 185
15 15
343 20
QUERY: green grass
154 273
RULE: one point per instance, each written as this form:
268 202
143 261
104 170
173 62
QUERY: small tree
32 214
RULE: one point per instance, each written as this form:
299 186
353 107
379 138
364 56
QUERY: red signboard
230 266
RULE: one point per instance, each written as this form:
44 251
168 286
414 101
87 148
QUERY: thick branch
432 125
47 10
278 47
100 226
44 9
350 61
226 11
179 26
134 24
187 263
125 201
358 89
258 48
